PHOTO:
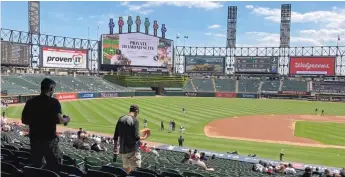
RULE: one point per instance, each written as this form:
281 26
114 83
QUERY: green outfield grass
101 115
327 133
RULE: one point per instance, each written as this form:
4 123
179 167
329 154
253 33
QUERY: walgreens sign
64 58
312 66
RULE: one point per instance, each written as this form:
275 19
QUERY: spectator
203 157
307 172
193 155
42 113
79 142
327 173
97 146
4 134
144 148
200 163
127 132
186 157
154 151
316 172
342 172
85 145
257 167
290 170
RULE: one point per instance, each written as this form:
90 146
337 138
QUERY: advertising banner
66 96
247 95
294 93
136 49
88 95
109 94
10 100
226 94
64 58
191 94
312 66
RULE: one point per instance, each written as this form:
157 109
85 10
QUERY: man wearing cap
127 133
41 114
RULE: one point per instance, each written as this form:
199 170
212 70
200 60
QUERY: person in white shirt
290 170
200 163
182 129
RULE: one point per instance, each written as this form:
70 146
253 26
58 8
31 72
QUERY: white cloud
331 19
146 8
218 35
249 6
215 26
80 18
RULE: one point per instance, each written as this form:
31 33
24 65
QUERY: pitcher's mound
266 128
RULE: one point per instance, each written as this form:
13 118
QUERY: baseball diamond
238 124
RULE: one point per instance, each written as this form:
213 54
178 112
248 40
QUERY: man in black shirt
79 132
42 113
127 132
180 141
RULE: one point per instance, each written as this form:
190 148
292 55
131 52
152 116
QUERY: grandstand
81 162
30 84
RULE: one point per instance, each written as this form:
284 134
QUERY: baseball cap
134 108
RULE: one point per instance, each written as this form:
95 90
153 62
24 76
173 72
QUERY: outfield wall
291 95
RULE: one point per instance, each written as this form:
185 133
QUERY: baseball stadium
243 107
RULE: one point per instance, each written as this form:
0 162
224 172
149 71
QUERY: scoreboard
15 54
204 64
256 64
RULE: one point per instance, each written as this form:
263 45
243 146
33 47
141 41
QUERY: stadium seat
114 170
8 156
24 158
141 174
9 170
67 160
66 170
37 172
147 171
170 174
96 173
92 163
191 174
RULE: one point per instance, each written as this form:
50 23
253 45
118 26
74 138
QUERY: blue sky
258 23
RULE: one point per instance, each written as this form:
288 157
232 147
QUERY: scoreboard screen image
256 64
15 54
204 64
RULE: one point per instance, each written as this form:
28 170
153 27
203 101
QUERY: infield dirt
268 128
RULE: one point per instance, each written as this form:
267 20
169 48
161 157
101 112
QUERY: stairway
191 81
260 86
214 85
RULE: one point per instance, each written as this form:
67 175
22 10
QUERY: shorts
132 160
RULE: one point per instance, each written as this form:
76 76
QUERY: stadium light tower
285 25
34 30
231 32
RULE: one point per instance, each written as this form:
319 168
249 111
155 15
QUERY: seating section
30 84
329 87
189 87
248 85
203 85
293 85
225 85
94 164
270 85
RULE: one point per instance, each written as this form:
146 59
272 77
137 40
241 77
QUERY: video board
136 49
256 64
204 64
15 54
